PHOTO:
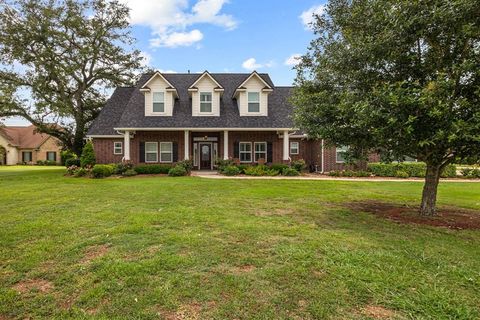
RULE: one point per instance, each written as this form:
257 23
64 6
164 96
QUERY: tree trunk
429 195
78 142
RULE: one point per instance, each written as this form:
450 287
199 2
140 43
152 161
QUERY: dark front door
205 156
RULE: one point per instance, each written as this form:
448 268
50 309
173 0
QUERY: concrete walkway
216 175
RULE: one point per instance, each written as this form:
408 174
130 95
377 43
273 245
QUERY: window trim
258 101
23 156
115 148
153 102
200 102
54 156
261 152
337 150
246 152
147 152
160 152
298 147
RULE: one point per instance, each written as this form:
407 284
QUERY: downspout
323 158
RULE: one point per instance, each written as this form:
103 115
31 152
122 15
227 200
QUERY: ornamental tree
57 58
397 77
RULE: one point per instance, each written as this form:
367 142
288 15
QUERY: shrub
88 155
450 171
72 169
40 163
471 173
129 173
413 169
335 173
186 164
362 173
298 165
401 174
348 173
177 171
231 170
221 163
65 155
102 170
256 170
466 172
80 172
120 168
72 162
50 163
243 167
272 172
290 172
278 166
152 169
475 173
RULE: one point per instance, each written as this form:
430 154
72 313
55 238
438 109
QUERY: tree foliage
58 59
398 77
87 158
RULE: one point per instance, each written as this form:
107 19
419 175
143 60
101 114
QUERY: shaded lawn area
187 248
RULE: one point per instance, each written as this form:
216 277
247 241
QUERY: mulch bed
452 218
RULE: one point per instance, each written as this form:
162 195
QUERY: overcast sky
222 35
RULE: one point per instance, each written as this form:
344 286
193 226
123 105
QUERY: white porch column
225 145
126 145
286 146
187 145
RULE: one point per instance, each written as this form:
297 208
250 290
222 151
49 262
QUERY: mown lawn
193 248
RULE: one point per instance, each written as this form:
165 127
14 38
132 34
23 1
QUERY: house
166 118
26 145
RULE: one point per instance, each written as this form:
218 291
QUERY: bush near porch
230 168
412 169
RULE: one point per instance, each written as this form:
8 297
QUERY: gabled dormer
206 93
160 96
252 96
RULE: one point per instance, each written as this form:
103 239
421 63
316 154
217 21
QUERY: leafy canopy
401 77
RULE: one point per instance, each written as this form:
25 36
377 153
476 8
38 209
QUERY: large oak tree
400 77
58 58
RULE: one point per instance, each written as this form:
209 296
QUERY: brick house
171 117
26 145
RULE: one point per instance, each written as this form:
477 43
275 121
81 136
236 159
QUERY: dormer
206 93
160 96
252 96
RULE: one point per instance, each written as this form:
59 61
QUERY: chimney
188 71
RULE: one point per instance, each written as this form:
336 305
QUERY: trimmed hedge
102 170
231 170
290 172
412 169
177 171
349 173
278 166
72 162
153 169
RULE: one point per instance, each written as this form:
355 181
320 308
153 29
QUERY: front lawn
193 248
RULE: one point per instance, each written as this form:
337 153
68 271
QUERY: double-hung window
151 152
340 154
27 156
117 147
245 149
260 151
253 101
205 102
294 147
166 152
51 156
158 99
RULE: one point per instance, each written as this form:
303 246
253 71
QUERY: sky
222 35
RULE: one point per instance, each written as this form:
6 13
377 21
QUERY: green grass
149 248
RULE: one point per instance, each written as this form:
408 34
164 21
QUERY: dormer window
158 102
253 102
205 102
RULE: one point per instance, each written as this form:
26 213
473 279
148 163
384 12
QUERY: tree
397 77
58 58
88 156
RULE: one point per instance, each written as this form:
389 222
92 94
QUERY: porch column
187 145
225 145
286 146
126 144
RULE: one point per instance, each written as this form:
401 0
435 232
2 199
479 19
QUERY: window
245 152
340 154
151 152
51 156
27 156
117 148
294 147
166 152
253 101
205 102
260 150
158 102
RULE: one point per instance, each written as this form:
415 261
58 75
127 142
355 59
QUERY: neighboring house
171 117
26 145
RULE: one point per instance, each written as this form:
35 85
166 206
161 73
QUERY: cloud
251 64
167 71
293 60
147 58
308 18
177 39
170 21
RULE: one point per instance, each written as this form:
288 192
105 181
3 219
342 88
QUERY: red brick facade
309 150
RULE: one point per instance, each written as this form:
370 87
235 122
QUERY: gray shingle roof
125 109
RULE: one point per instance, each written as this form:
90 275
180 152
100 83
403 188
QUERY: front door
205 156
